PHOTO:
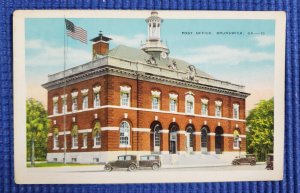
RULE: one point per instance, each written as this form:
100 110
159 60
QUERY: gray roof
134 54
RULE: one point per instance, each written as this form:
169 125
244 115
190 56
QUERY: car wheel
234 163
132 167
108 168
252 163
155 167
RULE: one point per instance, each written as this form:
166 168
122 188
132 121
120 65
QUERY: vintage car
152 161
246 159
269 162
124 161
130 162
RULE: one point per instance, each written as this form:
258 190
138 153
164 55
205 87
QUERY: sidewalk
201 165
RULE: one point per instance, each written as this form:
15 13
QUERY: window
96 160
64 103
55 105
75 141
97 140
84 143
236 139
97 135
155 103
55 141
218 109
236 109
96 90
155 100
85 102
74 104
74 134
204 107
189 103
124 134
125 96
96 100
74 160
173 102
55 108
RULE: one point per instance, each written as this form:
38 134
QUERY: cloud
42 53
263 41
134 41
219 55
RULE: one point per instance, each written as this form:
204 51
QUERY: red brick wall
141 98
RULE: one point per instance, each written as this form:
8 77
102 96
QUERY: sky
246 58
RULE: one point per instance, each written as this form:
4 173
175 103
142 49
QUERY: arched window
236 139
219 140
97 134
55 139
124 134
74 137
204 139
189 139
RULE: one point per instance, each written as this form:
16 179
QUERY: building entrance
173 128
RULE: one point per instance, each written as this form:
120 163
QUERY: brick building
141 101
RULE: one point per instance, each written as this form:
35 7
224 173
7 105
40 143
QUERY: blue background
290 183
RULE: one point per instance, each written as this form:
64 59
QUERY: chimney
100 45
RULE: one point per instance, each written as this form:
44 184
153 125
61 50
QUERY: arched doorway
189 143
219 140
155 136
204 139
173 128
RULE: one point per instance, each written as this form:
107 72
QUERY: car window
121 158
151 157
143 158
128 157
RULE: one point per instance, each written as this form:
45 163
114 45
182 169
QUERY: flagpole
64 99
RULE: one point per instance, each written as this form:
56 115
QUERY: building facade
141 101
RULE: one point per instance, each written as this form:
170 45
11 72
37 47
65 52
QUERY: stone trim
149 110
85 131
97 89
141 129
110 128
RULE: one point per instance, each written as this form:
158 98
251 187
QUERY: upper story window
85 100
55 105
218 108
64 103
189 103
236 111
97 135
204 106
173 102
124 134
74 101
155 100
96 90
125 96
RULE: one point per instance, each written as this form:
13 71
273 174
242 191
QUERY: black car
124 161
247 159
269 162
152 161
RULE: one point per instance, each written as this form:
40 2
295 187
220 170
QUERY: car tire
132 167
253 163
108 168
155 167
234 163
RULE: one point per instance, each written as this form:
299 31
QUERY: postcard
113 96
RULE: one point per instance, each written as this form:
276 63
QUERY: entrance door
173 142
204 140
219 140
189 139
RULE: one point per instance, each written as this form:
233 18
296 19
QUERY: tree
37 126
260 122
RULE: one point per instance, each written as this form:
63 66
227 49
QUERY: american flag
75 32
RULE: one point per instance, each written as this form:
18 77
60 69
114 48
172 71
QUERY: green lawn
57 164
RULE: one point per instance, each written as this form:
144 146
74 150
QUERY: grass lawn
57 164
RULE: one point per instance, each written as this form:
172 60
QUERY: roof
134 54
